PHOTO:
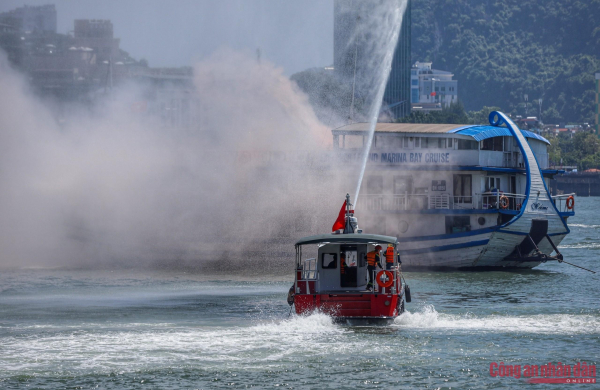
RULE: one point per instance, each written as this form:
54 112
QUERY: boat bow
536 208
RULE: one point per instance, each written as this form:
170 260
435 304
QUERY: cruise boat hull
505 217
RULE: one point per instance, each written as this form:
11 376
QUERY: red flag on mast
340 222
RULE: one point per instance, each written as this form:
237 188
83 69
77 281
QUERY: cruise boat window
449 143
402 184
435 143
458 224
375 185
492 183
465 144
495 143
397 142
462 189
329 261
405 142
498 144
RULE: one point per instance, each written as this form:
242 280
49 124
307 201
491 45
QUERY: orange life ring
570 202
504 201
389 275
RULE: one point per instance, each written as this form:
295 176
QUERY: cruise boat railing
502 201
393 202
484 201
464 202
439 201
560 201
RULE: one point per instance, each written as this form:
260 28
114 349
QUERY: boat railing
439 201
502 201
560 201
308 275
464 202
486 201
309 269
405 201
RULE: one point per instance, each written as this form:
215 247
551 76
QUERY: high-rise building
598 104
352 47
98 35
40 18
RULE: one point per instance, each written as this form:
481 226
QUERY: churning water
156 330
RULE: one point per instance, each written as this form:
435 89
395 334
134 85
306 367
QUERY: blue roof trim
461 128
483 132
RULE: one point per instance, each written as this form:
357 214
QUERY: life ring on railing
570 202
390 278
504 201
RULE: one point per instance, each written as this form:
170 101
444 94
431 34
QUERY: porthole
403 226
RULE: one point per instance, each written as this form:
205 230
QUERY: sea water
134 329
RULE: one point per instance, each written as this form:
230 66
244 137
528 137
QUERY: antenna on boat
351 221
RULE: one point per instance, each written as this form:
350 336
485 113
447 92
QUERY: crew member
343 264
389 257
373 260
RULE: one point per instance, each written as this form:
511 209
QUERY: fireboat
337 277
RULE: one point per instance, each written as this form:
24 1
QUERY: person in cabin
373 261
389 257
343 264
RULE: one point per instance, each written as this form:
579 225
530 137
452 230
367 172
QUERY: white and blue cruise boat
460 196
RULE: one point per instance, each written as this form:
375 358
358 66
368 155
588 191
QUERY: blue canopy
481 132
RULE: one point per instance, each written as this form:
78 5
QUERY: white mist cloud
111 186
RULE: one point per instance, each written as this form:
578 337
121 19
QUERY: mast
351 221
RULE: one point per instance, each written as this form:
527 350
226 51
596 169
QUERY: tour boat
459 196
331 275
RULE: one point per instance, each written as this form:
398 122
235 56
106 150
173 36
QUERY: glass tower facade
598 104
353 55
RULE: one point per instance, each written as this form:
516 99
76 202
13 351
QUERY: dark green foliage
500 50
454 113
582 150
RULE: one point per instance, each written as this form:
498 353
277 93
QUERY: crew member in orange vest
389 257
343 263
373 260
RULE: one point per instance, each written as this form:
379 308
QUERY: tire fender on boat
407 293
290 297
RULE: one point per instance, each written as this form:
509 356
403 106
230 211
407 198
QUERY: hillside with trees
501 50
